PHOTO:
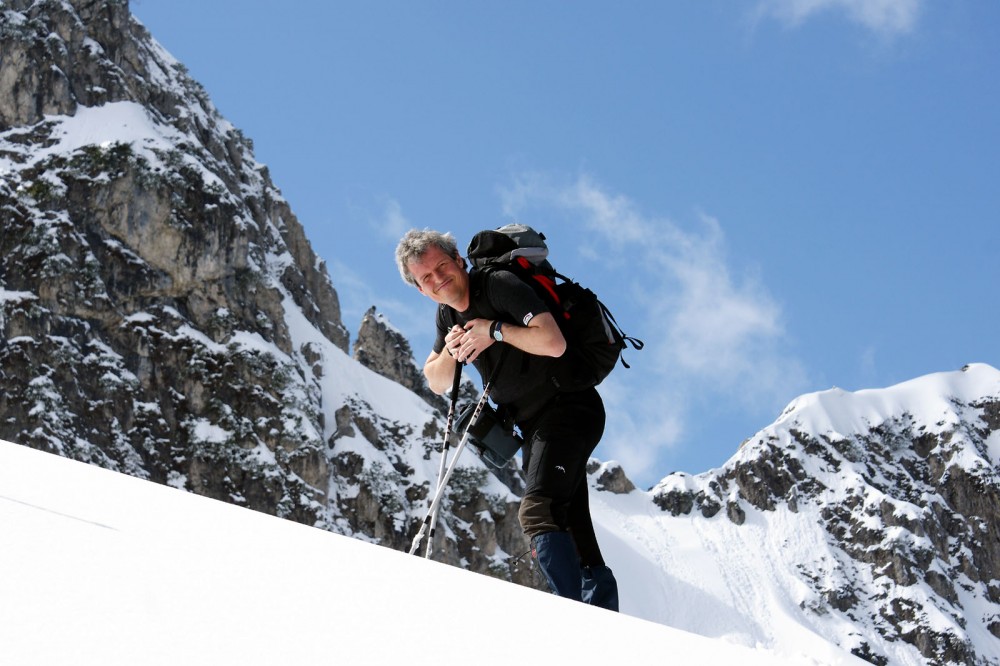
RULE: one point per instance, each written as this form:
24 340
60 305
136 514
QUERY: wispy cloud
712 333
381 213
392 224
886 17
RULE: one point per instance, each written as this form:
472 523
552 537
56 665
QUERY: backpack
594 341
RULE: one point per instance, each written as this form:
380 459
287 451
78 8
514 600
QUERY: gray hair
415 243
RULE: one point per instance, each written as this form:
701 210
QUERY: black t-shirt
522 382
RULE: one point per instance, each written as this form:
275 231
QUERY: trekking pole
444 451
436 503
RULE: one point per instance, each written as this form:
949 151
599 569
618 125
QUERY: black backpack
594 341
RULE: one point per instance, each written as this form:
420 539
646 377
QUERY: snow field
115 570
719 579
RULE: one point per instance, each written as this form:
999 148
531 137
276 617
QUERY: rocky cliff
163 314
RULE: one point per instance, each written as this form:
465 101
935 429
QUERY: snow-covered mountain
869 518
163 315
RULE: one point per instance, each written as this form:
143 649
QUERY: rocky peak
383 348
609 477
904 483
59 56
70 70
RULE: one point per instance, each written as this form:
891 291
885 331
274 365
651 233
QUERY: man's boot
557 558
600 587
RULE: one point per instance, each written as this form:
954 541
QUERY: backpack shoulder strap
479 302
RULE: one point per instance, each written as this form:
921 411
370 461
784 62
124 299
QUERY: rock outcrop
163 314
385 350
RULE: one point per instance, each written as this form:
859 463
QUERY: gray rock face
610 477
163 314
138 275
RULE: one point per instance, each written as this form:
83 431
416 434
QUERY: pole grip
456 383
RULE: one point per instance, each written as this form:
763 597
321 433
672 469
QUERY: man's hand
541 337
460 346
473 340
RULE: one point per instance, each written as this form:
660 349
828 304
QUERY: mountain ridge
903 484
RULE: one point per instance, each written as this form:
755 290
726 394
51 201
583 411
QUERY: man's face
442 278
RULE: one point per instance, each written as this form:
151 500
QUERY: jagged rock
382 348
148 281
735 513
676 502
149 275
610 477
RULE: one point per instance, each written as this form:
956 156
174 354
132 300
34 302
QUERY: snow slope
102 568
767 581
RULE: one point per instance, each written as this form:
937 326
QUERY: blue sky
778 196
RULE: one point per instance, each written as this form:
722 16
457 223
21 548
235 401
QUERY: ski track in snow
36 507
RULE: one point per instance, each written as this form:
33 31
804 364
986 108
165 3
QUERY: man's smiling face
442 278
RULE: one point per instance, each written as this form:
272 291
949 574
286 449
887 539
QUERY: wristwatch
496 332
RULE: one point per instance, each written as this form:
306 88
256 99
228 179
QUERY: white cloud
641 423
392 224
379 212
886 17
711 334
869 366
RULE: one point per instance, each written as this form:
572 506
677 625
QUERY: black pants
558 444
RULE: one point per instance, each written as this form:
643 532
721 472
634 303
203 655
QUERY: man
499 324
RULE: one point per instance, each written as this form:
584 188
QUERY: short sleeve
512 297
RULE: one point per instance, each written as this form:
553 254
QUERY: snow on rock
867 518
